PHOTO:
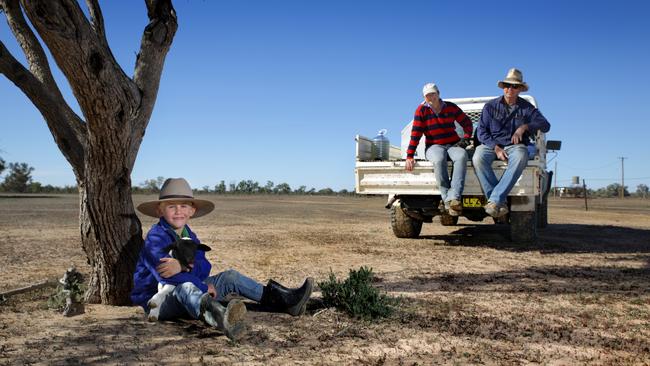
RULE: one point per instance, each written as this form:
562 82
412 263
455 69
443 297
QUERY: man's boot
229 319
287 300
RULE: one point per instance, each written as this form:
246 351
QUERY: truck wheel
523 227
448 220
542 214
404 226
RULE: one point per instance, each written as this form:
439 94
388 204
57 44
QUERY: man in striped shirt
435 119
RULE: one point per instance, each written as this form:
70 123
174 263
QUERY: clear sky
277 90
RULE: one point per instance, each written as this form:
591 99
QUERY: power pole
584 190
622 176
555 176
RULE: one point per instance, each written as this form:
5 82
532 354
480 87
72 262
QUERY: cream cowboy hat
176 189
515 77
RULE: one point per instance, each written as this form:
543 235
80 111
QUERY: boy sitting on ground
198 295
184 250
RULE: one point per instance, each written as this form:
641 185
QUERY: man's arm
464 122
483 131
417 129
537 121
518 135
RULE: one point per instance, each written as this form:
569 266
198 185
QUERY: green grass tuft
356 296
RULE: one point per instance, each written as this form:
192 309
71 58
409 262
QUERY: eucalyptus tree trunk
102 145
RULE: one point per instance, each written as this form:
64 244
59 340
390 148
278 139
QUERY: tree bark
111 236
102 147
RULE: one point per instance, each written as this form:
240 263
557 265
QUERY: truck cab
414 197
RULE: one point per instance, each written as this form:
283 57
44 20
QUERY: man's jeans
437 154
496 190
184 301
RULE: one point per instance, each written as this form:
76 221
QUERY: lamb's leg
157 299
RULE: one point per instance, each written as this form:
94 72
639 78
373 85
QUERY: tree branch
85 60
114 106
36 58
68 129
97 20
41 88
156 41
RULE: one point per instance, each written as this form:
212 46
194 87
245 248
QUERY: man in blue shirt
504 130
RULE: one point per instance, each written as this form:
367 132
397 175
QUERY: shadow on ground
536 279
552 279
556 238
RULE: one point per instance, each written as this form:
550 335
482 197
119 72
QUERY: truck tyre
404 226
542 214
448 220
523 227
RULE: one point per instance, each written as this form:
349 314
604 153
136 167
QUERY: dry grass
580 296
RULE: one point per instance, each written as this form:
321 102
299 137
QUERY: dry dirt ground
469 295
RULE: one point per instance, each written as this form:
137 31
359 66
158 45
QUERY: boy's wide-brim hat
176 189
514 77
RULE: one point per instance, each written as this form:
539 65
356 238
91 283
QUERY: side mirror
553 145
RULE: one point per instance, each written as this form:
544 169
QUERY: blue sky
277 90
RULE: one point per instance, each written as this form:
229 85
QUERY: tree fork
103 148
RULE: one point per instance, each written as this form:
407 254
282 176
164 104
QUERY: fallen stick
320 312
342 331
46 283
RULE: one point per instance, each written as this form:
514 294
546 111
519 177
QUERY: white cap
429 88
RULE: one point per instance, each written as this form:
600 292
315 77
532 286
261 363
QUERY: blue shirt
497 125
146 278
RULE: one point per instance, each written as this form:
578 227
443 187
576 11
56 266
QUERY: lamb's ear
203 247
169 247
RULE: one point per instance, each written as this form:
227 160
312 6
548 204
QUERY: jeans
437 154
184 301
496 190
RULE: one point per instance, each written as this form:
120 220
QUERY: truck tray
389 177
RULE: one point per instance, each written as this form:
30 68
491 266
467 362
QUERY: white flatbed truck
414 197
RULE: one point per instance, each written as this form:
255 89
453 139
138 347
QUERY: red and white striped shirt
439 129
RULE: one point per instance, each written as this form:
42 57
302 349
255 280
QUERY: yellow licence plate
473 202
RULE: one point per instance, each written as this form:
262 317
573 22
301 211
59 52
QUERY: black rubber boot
229 319
292 301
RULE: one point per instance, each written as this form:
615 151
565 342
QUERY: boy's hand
168 267
212 291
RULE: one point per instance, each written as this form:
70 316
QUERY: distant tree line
612 190
19 180
248 186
